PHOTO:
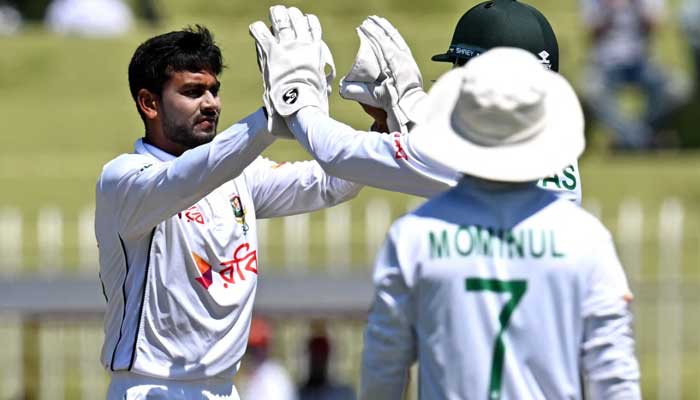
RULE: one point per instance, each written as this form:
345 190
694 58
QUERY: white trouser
130 386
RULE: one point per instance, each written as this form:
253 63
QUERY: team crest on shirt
239 212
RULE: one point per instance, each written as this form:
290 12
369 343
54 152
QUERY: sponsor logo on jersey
476 240
400 153
145 167
291 96
205 278
244 262
192 214
243 259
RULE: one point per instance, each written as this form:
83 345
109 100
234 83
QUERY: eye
215 89
193 93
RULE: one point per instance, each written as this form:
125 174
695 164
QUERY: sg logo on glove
290 96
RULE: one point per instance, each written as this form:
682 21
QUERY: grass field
65 110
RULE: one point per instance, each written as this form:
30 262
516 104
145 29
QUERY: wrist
379 126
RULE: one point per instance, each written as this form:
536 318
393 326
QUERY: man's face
190 108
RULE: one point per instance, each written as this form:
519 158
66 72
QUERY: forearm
295 188
611 368
148 195
372 159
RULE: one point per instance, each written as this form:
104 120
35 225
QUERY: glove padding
292 59
385 75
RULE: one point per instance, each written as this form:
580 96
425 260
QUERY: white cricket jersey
179 253
499 293
390 161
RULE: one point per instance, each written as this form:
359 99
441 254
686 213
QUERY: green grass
65 110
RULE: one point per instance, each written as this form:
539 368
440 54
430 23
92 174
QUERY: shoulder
415 226
571 229
572 217
118 168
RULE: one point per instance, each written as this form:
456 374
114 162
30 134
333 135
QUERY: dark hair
154 61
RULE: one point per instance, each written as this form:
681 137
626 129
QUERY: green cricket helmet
499 23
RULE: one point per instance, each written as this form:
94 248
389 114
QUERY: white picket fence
63 345
296 230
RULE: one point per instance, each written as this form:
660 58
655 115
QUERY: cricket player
497 288
387 82
175 223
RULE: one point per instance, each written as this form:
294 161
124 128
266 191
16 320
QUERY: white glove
385 75
292 60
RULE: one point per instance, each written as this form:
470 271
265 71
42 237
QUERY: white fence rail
657 246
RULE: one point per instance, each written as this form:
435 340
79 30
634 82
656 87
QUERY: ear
147 102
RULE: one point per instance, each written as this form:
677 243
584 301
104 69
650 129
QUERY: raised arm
294 188
373 159
142 193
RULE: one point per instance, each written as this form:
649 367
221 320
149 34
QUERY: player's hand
385 75
379 116
292 59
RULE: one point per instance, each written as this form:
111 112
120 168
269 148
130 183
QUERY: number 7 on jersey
517 290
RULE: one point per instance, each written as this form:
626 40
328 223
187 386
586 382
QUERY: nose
210 104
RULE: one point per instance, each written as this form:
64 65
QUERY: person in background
621 33
319 385
89 18
149 10
690 22
268 379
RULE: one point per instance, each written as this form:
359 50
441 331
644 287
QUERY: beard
185 134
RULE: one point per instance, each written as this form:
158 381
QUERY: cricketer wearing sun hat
386 80
498 288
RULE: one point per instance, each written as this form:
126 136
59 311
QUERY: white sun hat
501 117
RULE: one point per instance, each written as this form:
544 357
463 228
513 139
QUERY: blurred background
65 110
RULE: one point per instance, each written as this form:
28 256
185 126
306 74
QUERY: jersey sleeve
611 370
370 158
390 344
142 193
294 188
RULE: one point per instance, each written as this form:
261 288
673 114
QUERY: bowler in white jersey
175 223
497 288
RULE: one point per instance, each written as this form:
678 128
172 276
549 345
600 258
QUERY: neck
164 144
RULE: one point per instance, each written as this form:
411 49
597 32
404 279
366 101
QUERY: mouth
206 124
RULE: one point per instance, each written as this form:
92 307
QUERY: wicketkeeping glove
292 60
385 75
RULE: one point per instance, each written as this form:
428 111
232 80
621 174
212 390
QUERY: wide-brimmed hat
501 117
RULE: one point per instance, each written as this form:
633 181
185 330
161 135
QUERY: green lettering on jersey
462 236
554 179
482 240
476 240
553 243
439 249
543 244
569 180
515 244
